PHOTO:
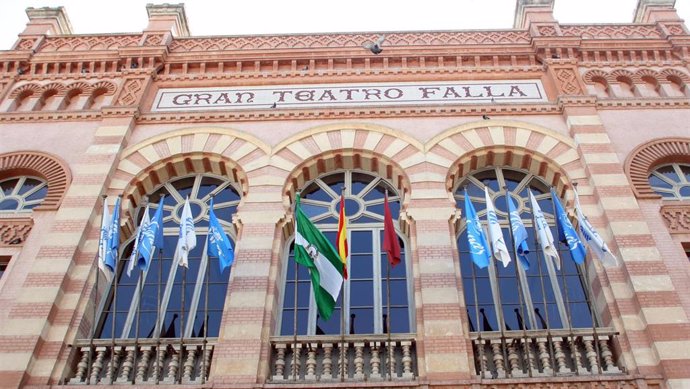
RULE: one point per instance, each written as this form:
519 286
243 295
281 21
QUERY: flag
543 232
314 251
341 237
566 232
390 239
519 232
591 236
186 240
134 257
103 241
113 238
150 233
479 249
218 242
495 232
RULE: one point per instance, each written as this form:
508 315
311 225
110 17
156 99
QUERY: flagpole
208 279
95 299
141 292
294 318
549 338
182 323
159 324
480 341
114 304
388 313
565 282
520 294
342 305
589 294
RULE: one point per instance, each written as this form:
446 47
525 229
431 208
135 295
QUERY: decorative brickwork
677 218
647 156
612 31
14 230
130 92
48 167
73 43
567 81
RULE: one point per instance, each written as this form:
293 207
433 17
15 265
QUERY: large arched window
513 298
365 290
166 284
23 193
671 181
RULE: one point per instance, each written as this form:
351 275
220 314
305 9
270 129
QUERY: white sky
235 17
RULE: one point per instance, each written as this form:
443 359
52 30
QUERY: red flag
341 237
390 238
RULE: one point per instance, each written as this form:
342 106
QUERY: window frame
674 191
22 203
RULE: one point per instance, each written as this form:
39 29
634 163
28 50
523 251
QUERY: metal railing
350 358
144 361
541 353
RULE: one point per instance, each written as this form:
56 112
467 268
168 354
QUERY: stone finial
167 17
651 11
48 20
528 11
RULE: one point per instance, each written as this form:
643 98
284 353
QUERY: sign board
347 95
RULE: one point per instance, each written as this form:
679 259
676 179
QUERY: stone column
443 349
642 300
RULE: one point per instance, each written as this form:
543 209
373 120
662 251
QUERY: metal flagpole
206 323
159 324
114 309
294 318
388 314
136 328
182 324
95 301
527 346
589 295
480 341
565 283
549 338
342 309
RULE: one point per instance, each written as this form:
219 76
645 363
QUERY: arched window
365 291
538 298
22 193
166 284
671 181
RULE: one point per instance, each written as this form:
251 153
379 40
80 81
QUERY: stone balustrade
145 361
541 353
350 358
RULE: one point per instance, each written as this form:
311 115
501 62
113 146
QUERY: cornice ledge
118 112
680 102
579 101
48 116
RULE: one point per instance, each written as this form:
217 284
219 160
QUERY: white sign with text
344 95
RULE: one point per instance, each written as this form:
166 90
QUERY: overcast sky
234 17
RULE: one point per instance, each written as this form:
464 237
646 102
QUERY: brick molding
647 156
44 165
677 217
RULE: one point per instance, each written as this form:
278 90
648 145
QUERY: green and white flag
314 251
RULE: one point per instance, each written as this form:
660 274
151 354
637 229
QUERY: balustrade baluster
143 363
343 362
97 365
544 356
310 375
591 354
207 363
375 361
577 355
392 362
174 364
82 366
280 362
189 364
111 372
327 363
407 360
607 355
559 355
514 359
359 361
296 362
127 365
497 354
160 354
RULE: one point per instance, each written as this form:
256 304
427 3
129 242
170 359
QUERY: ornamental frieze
677 218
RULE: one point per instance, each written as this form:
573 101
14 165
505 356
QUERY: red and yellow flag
341 237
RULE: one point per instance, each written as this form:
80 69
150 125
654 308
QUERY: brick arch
43 165
644 158
539 150
151 177
379 149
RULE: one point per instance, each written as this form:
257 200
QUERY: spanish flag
341 237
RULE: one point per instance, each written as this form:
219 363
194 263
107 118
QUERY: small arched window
601 87
512 298
671 181
21 194
626 88
97 98
365 290
167 285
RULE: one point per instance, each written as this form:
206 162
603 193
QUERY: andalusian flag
314 251
341 237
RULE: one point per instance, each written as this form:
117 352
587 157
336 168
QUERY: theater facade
159 118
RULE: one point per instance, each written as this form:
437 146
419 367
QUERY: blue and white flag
519 232
186 241
103 248
143 226
218 242
592 238
479 249
567 233
150 233
498 243
112 252
543 232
